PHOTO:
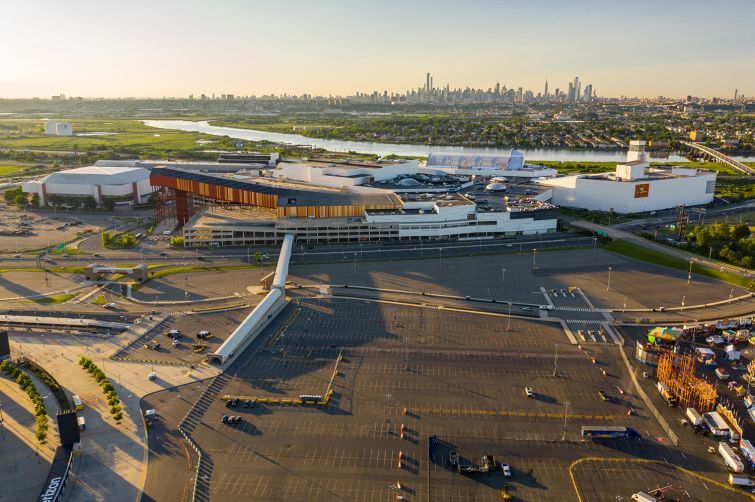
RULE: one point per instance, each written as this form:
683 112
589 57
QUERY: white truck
732 459
716 424
740 481
694 417
643 497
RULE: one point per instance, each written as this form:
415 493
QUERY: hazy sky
175 48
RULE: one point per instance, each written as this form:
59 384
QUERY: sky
156 48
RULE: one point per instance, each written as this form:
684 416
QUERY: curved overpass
719 157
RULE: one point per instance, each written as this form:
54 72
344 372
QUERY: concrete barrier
662 421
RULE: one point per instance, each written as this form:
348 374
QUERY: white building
125 185
633 188
443 216
55 128
344 174
501 164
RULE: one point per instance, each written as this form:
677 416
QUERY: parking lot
390 375
610 479
192 286
219 324
411 367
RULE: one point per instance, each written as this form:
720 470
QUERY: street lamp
555 363
689 276
534 252
503 279
608 286
566 408
508 326
684 297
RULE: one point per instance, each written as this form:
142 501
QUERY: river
333 145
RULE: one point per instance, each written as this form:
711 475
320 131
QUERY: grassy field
648 255
735 189
54 299
123 136
6 170
99 300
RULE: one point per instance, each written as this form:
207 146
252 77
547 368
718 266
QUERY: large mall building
344 201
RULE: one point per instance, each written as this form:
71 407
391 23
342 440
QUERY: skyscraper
546 88
577 88
427 82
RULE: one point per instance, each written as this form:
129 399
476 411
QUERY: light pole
731 294
555 363
566 408
684 297
689 276
503 280
625 303
608 286
508 326
388 420
534 264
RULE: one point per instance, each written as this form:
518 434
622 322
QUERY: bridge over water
719 157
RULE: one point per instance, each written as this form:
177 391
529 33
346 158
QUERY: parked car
529 392
225 419
603 396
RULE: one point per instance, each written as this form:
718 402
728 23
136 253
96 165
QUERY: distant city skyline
642 48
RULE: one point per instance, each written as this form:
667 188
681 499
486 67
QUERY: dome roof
496 187
408 182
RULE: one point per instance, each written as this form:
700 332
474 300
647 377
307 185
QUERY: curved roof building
511 161
125 185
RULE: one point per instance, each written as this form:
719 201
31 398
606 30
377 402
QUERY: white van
82 423
77 404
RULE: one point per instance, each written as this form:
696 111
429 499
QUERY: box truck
732 459
694 417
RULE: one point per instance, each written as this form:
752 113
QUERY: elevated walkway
263 313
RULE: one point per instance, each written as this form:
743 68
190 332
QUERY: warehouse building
117 186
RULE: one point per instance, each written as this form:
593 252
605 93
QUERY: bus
609 432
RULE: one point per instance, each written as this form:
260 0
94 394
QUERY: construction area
677 371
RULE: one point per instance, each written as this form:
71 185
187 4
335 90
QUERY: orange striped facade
239 196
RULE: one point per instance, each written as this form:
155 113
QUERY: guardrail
662 421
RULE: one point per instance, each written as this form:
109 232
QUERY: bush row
107 388
24 380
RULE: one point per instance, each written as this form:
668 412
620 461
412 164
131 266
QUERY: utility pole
534 264
508 326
